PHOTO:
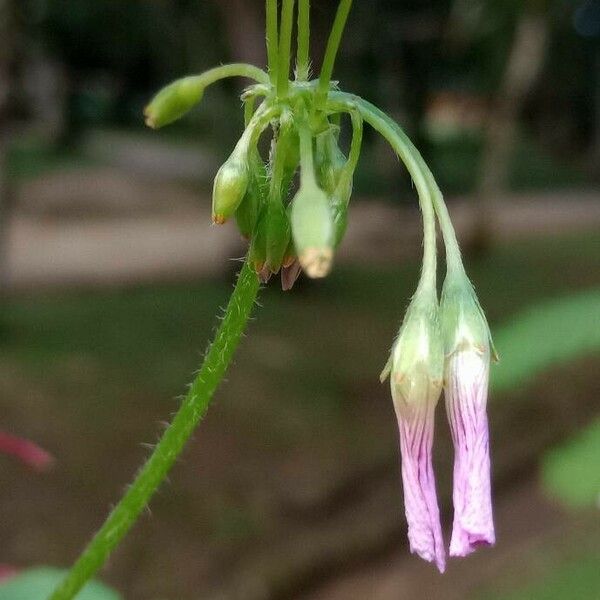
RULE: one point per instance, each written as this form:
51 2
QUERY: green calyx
416 364
464 325
256 186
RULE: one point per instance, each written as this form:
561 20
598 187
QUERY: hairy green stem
153 473
285 47
333 44
230 70
272 39
302 56
307 166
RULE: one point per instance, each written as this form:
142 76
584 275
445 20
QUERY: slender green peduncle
272 39
333 45
285 47
302 56
153 473
419 172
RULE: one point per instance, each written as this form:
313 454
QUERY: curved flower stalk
292 228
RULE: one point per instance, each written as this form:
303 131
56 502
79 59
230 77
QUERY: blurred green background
111 276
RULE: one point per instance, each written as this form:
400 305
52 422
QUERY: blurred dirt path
107 228
530 525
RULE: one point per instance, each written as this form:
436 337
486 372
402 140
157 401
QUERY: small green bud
257 254
339 204
278 235
463 321
174 101
340 222
229 188
312 228
246 215
416 363
330 162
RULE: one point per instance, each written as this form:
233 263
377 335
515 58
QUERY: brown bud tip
149 119
288 261
219 219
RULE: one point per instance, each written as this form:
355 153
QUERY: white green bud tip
173 101
229 188
312 228
464 325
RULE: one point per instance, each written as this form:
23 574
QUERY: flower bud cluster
291 206
288 229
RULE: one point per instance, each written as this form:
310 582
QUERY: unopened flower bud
312 228
339 204
229 187
330 162
468 349
246 216
278 235
257 253
174 101
416 369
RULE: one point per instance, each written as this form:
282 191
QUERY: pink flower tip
420 499
26 451
466 399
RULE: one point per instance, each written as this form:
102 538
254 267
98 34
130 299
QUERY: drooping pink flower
467 373
468 349
416 370
26 451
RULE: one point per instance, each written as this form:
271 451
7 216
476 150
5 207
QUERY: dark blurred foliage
115 54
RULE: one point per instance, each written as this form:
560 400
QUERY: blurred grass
577 580
31 157
155 334
455 161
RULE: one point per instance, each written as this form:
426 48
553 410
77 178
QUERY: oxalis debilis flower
468 349
416 370
293 226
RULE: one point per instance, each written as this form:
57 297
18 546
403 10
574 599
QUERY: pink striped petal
420 498
467 374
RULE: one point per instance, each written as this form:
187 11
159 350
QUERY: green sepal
417 358
246 215
463 321
257 253
277 234
329 159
